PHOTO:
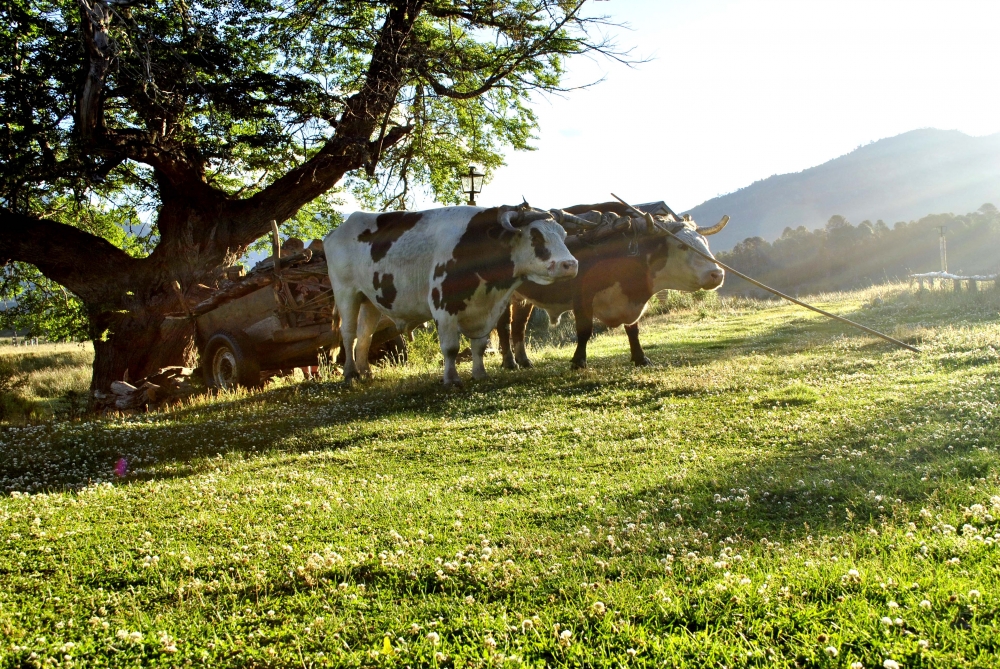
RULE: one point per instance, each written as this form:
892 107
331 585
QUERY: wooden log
169 373
235 273
176 285
275 246
153 393
316 246
245 287
291 245
957 283
122 388
267 264
137 399
973 286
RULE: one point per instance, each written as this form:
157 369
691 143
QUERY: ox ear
500 234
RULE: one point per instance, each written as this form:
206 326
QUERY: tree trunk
137 343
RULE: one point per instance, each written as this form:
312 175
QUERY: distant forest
843 256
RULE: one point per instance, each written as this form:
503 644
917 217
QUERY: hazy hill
899 178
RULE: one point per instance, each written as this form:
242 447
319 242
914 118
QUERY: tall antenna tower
944 249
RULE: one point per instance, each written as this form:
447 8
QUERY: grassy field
57 378
776 491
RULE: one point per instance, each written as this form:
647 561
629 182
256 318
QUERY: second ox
617 277
455 265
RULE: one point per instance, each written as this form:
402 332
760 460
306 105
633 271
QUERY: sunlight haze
734 92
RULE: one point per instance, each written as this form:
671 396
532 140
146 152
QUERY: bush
425 349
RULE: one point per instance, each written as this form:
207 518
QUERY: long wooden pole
779 293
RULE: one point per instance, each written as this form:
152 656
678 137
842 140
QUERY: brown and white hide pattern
457 266
611 285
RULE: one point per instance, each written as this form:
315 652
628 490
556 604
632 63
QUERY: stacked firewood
167 385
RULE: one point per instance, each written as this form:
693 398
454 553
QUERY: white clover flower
527 625
924 643
831 651
886 620
632 652
890 664
434 638
857 665
598 608
974 594
893 605
925 604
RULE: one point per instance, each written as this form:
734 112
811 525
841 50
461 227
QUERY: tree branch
82 262
94 20
117 144
351 145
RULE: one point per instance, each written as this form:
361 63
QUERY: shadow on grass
807 331
805 489
179 443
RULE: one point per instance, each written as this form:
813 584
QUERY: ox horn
562 218
504 220
714 229
532 216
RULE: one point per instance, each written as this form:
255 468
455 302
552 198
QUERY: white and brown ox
457 266
617 276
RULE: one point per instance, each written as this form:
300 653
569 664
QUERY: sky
736 91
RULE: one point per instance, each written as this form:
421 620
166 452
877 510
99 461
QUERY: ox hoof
509 364
525 364
453 383
579 364
644 362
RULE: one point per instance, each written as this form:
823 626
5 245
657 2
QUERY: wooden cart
279 316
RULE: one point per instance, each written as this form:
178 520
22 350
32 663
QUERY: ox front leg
368 318
519 325
638 356
448 336
349 306
503 334
478 349
584 314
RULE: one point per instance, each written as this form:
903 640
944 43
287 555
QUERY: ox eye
684 247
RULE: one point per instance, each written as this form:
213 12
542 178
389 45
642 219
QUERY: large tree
204 120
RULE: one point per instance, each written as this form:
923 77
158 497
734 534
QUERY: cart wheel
228 361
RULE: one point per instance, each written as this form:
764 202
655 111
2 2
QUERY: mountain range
904 178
